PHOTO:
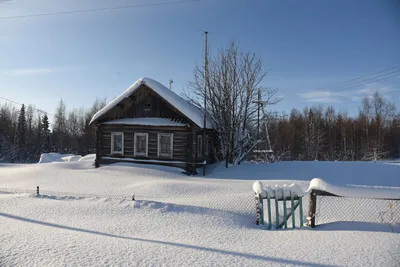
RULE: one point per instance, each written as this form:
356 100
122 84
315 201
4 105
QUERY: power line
362 80
98 9
365 76
39 110
371 80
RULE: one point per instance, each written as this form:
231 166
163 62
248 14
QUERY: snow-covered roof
186 108
147 122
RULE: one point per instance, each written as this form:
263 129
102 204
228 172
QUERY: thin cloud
327 96
321 96
371 90
325 100
28 71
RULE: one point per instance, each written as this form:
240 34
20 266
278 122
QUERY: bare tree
59 128
233 81
314 132
380 114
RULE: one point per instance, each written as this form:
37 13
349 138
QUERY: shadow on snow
159 242
358 226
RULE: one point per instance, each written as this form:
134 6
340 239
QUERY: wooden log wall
180 137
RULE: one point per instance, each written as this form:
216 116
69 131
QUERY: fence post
269 211
37 190
312 207
301 211
284 209
292 207
276 209
259 210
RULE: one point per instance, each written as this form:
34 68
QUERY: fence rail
38 191
242 205
325 207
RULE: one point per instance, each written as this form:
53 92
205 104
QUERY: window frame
162 155
147 106
135 153
113 152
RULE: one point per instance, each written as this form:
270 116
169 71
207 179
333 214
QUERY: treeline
25 133
315 133
319 133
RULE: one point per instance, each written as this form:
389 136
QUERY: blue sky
310 46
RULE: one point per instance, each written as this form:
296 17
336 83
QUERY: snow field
175 221
51 231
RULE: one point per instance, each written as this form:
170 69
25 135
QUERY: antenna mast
205 99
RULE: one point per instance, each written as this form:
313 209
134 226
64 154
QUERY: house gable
137 99
143 103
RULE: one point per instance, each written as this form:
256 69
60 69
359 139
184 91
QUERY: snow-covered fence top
277 191
319 184
354 191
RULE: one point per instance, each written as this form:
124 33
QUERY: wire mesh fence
240 204
341 209
60 194
328 209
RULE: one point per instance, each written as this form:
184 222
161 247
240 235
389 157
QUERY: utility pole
258 115
205 98
261 103
258 102
170 84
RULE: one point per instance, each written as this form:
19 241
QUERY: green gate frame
295 200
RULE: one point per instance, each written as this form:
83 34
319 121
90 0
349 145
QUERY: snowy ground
173 222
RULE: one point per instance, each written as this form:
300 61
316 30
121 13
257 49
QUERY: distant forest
319 133
25 133
315 133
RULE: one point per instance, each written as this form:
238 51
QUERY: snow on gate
327 203
287 201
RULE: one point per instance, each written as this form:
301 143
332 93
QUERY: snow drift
57 157
89 157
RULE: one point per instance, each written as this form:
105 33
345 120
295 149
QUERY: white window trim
159 154
112 143
135 153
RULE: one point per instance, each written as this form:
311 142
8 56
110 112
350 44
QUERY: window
147 106
117 143
141 144
199 145
165 145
